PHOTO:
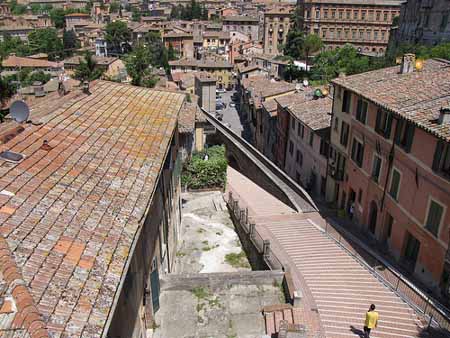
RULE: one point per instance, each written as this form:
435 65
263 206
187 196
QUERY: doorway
373 214
154 284
411 252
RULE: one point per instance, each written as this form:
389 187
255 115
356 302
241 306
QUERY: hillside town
224 169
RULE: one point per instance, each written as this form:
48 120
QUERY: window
389 223
344 133
317 14
368 34
324 33
361 34
361 111
404 134
441 161
291 147
348 14
383 35
336 124
395 184
376 168
353 34
444 21
325 14
346 97
383 123
375 35
338 33
434 217
385 16
324 147
311 138
299 158
360 192
302 130
378 16
357 152
363 15
333 14
292 123
355 15
341 14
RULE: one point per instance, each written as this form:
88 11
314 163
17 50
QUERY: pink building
390 160
307 138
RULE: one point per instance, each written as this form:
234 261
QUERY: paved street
230 114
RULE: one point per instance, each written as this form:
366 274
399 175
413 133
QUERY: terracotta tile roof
186 120
201 63
314 113
16 61
240 18
77 207
261 87
416 96
216 34
271 107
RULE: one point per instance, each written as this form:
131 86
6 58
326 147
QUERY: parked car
232 104
221 91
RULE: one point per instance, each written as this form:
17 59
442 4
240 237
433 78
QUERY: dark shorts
366 330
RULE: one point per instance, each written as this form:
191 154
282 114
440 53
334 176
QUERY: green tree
38 76
157 52
114 7
294 43
6 90
13 45
138 65
117 34
57 17
311 44
171 53
135 15
87 70
17 9
70 42
46 41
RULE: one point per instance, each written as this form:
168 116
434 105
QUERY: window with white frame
435 215
394 188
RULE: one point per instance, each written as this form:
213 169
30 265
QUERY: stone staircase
281 317
342 288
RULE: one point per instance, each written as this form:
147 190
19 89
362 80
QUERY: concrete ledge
222 279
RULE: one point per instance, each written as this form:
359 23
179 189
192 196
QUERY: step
362 308
332 332
288 316
327 304
278 318
380 329
270 323
385 321
391 316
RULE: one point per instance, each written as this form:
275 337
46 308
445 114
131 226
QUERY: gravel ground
207 236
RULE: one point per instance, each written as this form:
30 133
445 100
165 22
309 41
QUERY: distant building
364 24
222 70
217 42
113 67
242 24
77 20
182 43
101 47
15 64
424 22
205 90
390 161
277 22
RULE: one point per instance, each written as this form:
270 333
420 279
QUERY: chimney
408 63
444 115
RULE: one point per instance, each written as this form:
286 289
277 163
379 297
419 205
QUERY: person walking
371 320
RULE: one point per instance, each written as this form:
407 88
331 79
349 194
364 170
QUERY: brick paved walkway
331 280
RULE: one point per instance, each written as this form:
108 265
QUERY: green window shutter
389 119
398 131
409 136
438 155
434 218
378 121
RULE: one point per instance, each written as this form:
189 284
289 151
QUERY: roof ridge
28 316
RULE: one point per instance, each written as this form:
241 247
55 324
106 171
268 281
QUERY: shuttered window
435 213
395 184
383 123
361 111
346 101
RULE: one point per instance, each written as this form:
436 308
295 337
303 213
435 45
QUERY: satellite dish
305 83
19 111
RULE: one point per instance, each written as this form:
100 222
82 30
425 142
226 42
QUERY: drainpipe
390 162
328 155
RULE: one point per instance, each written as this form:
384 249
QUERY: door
373 217
154 284
411 253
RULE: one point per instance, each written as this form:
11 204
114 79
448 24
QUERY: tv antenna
19 111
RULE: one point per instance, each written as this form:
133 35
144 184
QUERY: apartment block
364 24
277 22
390 161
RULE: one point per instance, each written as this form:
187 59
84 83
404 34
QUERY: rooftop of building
216 34
242 68
73 208
17 61
240 18
201 63
417 96
395 3
261 87
178 35
314 112
99 60
76 15
187 117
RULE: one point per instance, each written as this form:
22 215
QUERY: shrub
200 174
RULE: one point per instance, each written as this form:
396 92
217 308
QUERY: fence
261 245
437 315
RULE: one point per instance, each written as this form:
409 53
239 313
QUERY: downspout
390 162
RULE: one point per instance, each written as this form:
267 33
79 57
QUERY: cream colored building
364 24
277 22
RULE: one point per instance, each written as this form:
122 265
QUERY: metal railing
263 247
435 313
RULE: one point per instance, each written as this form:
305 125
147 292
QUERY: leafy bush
200 174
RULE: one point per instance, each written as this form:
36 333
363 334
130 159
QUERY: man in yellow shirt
371 320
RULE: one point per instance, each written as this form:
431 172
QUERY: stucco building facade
395 147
